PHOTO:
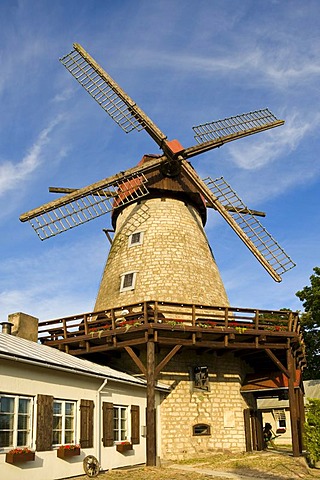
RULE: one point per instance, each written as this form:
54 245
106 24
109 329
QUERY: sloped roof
311 388
19 349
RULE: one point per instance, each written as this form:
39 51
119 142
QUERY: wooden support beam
293 406
301 419
151 407
281 367
136 360
168 357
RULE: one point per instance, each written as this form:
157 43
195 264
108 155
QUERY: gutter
74 370
98 417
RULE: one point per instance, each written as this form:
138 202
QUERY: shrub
312 431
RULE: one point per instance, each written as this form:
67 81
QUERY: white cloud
43 285
11 174
281 69
272 145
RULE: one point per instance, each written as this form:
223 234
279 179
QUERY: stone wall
221 407
174 262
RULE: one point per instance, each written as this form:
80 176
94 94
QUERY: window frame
123 279
117 430
64 430
201 430
132 243
29 430
201 378
133 424
280 418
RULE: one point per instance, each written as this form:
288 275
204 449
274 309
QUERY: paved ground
214 473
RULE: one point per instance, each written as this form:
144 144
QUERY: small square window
135 239
128 281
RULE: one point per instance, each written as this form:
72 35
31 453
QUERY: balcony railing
169 314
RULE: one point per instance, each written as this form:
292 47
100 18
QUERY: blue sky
184 63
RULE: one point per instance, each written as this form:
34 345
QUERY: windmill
162 197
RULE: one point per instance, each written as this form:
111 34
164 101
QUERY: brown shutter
44 422
135 424
107 424
86 423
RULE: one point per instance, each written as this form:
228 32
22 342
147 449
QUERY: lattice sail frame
233 125
108 94
87 206
101 91
274 255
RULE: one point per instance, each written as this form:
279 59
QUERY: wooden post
247 429
301 417
151 409
293 405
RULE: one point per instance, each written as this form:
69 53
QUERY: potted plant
123 446
66 451
19 455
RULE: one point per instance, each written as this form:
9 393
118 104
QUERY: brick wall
174 262
221 407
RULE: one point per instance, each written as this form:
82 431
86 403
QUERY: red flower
21 451
71 446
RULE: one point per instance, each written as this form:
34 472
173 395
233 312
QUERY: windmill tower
160 251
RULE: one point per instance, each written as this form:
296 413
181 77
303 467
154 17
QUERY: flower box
68 451
124 447
19 457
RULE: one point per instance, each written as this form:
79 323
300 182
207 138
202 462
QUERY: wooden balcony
152 333
189 325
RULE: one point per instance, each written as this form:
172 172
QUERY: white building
277 413
49 398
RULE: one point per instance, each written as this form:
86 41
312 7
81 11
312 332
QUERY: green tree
310 322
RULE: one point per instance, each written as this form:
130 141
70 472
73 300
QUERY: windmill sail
217 192
250 225
109 95
85 204
215 134
81 207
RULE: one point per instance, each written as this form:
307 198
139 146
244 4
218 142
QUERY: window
63 422
128 281
135 239
280 418
15 421
201 429
120 423
201 378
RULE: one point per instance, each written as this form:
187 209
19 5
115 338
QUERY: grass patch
269 465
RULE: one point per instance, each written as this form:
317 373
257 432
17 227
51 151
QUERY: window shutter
44 422
135 424
86 423
107 422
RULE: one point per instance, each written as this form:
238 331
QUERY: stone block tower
160 250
